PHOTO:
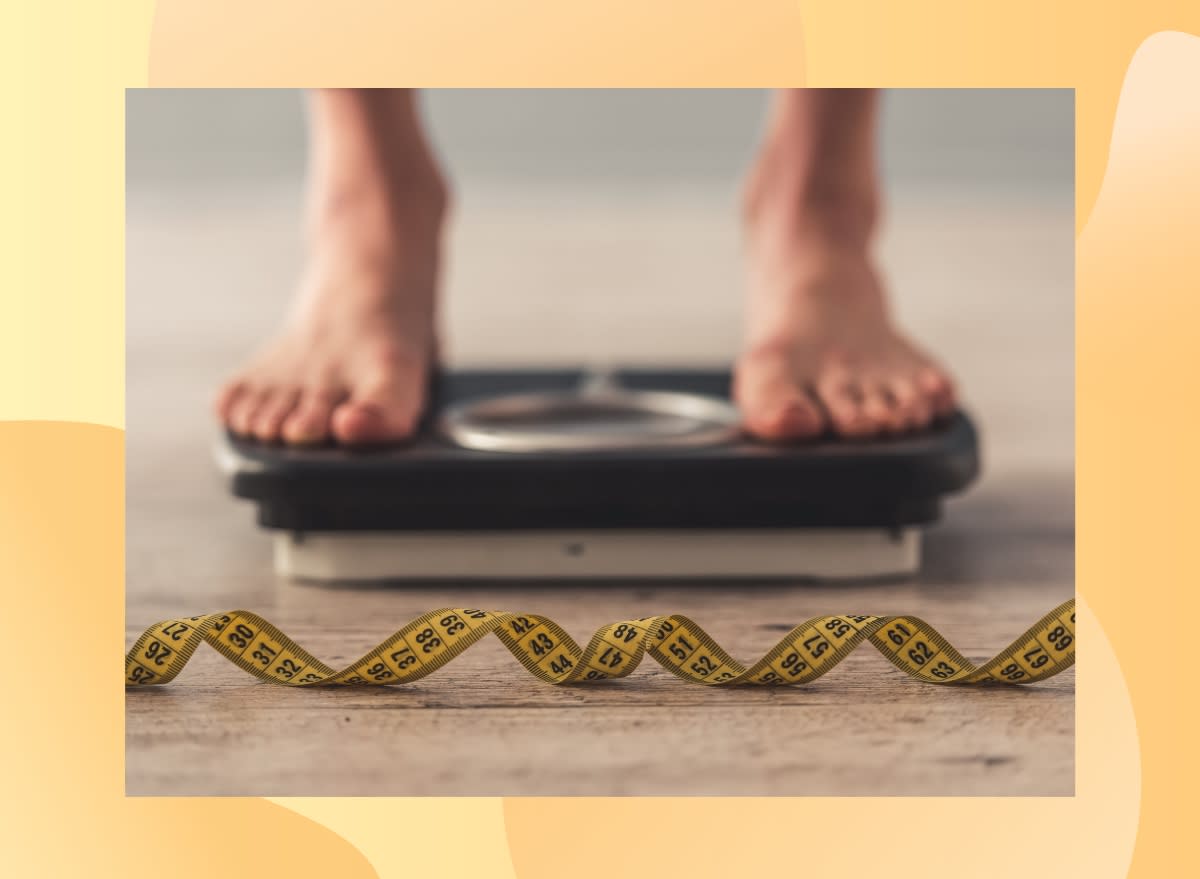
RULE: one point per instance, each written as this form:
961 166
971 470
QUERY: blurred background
1017 137
598 226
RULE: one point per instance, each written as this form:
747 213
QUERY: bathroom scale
613 474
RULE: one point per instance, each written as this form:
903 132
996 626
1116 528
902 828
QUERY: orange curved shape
62 547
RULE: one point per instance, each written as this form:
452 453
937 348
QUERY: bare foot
822 353
352 362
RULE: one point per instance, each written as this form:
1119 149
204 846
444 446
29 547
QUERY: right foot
352 363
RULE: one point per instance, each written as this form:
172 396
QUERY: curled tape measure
675 642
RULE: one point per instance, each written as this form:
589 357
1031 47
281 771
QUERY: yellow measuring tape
675 642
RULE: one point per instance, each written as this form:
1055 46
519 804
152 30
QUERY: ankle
811 201
375 250
811 217
808 256
378 213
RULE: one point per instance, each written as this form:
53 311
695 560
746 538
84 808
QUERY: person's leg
352 360
822 352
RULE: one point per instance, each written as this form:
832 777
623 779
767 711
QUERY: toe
362 423
794 417
227 398
911 403
844 403
939 390
387 414
309 422
272 412
242 411
774 406
879 408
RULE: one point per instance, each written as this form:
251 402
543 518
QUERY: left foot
822 353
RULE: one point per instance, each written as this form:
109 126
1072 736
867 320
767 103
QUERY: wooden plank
818 743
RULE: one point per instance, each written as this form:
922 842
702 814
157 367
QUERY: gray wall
1004 137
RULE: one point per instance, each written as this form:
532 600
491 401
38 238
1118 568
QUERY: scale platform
558 474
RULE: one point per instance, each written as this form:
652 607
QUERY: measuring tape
675 642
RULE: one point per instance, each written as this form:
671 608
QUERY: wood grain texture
481 725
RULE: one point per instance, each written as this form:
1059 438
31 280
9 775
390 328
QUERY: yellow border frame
66 64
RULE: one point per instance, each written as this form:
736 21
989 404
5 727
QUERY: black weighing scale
560 474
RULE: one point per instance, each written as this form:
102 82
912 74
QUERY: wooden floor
208 273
